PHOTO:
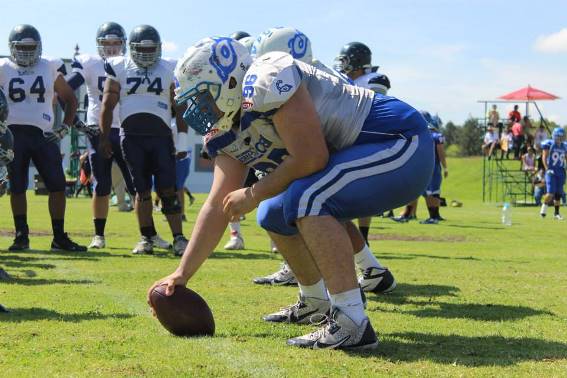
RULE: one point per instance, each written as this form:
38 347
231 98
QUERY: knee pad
170 204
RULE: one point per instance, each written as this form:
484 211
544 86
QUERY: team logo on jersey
223 57
281 87
298 45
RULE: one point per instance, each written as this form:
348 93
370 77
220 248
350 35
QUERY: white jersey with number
143 90
30 91
342 108
91 68
377 82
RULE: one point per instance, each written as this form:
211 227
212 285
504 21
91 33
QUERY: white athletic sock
317 290
350 302
543 209
234 228
364 259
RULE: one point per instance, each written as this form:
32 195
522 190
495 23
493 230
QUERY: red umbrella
529 94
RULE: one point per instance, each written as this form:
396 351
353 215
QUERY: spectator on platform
540 135
529 161
490 142
514 115
506 143
528 128
494 116
518 136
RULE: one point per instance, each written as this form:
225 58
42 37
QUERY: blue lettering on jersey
281 87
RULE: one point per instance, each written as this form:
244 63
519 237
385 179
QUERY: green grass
474 298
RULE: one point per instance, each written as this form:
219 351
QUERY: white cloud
169 46
552 43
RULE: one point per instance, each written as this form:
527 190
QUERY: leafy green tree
470 138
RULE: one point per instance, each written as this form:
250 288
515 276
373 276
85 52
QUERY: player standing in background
89 70
553 158
355 61
32 82
143 86
374 277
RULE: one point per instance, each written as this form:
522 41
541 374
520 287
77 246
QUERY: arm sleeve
270 84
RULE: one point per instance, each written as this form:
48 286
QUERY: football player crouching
326 160
373 276
142 85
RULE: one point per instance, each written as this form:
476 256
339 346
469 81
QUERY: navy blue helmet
107 36
353 56
25 45
145 46
238 35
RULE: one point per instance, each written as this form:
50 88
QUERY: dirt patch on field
418 238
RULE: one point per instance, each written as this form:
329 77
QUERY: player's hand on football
169 282
104 147
238 203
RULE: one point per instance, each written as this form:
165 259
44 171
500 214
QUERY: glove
90 130
57 134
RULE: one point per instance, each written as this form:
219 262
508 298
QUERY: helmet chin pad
202 113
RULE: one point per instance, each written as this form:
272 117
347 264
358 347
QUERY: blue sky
440 55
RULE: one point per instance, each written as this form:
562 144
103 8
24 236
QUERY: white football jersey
91 68
143 90
375 81
342 108
30 91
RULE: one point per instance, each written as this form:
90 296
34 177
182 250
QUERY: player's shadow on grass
475 227
473 311
467 350
45 281
413 256
249 254
18 315
48 256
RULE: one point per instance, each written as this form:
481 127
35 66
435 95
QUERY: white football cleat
340 332
158 242
543 211
179 245
301 312
144 247
377 280
98 242
284 276
236 242
558 217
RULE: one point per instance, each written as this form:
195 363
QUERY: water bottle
506 214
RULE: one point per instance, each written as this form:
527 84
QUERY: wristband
182 143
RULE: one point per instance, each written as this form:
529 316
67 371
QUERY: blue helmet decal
298 45
223 57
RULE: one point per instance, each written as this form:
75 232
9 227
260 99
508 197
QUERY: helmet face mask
25 45
209 81
145 46
342 64
110 40
558 134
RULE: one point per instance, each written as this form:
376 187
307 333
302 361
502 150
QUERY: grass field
474 298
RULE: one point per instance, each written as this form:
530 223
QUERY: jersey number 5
18 94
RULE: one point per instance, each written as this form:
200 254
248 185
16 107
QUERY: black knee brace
170 204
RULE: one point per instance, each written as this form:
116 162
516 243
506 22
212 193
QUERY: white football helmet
247 42
288 40
209 80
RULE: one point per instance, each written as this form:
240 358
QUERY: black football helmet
25 45
6 138
238 35
353 56
110 32
145 46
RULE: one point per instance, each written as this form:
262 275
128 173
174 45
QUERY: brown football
185 313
